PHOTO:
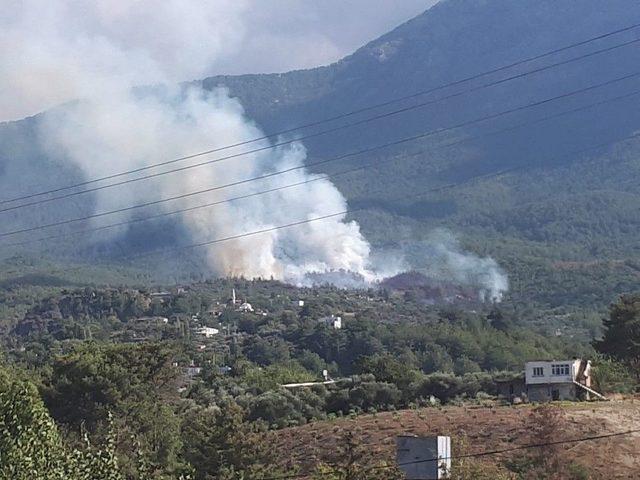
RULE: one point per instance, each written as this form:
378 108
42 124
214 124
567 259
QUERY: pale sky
290 34
56 50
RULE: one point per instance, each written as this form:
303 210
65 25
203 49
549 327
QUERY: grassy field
476 429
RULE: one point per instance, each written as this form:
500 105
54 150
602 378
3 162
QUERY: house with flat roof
206 332
545 381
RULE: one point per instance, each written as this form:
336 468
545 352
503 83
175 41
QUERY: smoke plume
95 54
440 256
128 131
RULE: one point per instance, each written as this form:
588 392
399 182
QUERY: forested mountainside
563 225
568 216
121 361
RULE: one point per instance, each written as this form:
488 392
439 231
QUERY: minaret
233 296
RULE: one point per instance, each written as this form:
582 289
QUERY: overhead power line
313 135
331 215
484 453
347 210
347 114
341 173
293 224
325 161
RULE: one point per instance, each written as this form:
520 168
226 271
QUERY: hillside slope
568 202
473 430
560 206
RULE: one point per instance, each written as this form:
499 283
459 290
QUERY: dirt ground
479 428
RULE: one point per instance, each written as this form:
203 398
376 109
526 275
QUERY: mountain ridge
506 217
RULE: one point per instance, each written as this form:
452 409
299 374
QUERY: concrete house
548 381
246 307
206 332
332 321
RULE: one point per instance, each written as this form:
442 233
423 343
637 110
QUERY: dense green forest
132 370
562 224
118 365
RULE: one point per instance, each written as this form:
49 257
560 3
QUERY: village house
545 381
245 307
164 295
206 332
150 320
332 321
192 370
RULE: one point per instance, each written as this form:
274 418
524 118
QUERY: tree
31 447
94 379
547 425
135 383
220 444
353 460
498 320
443 386
612 376
621 338
388 369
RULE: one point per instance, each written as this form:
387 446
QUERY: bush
611 376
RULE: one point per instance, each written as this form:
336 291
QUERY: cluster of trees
32 448
426 338
621 340
144 416
125 397
218 442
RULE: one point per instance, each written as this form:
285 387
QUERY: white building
245 307
192 370
558 380
207 332
332 321
424 458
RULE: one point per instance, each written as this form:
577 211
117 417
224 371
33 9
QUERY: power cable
322 162
281 143
337 214
323 217
292 224
343 115
338 174
474 455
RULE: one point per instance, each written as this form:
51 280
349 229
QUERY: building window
560 370
538 372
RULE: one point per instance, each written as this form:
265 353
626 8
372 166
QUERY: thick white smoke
127 131
96 53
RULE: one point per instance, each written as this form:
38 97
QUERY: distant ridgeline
563 227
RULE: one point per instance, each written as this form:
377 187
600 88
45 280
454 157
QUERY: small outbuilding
206 332
424 458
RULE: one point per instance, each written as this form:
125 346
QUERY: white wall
530 379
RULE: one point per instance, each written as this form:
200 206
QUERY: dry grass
481 428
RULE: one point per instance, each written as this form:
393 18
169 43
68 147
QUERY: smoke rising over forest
109 124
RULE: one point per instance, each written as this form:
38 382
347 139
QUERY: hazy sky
288 34
55 50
